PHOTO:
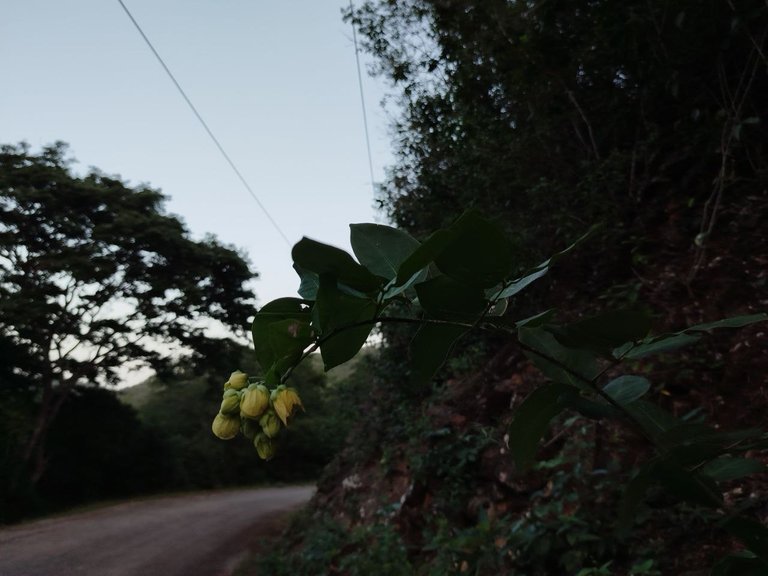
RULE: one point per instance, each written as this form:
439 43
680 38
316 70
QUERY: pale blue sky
274 79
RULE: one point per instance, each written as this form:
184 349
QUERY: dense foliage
647 117
459 280
556 114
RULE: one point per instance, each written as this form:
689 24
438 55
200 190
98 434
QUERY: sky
275 80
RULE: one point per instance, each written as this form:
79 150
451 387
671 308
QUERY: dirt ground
203 534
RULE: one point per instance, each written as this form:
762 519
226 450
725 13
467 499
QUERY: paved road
204 534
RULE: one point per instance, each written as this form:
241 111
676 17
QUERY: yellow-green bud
225 427
264 446
249 428
237 380
270 424
255 400
285 400
230 404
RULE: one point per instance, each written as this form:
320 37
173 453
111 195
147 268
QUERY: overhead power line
362 99
205 125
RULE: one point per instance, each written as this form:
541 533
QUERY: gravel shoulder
202 534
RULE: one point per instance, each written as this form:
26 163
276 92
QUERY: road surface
203 534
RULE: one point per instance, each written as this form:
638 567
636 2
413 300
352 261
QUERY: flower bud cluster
256 411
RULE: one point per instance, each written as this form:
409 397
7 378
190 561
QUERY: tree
556 114
94 276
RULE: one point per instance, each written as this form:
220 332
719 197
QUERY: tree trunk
34 458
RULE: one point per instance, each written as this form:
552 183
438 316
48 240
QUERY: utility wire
362 99
205 125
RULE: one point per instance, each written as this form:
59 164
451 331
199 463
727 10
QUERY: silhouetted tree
95 275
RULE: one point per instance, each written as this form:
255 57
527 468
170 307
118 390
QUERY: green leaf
336 314
443 297
673 341
734 322
626 389
518 285
477 253
288 339
310 282
753 534
536 320
325 259
561 364
423 256
606 331
290 318
688 486
654 419
538 272
689 433
429 349
381 249
727 468
531 420
658 344
692 444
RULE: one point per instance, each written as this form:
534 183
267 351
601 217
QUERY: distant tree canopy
93 275
554 114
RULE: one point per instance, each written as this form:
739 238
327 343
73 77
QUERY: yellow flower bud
270 424
237 380
230 404
264 446
254 401
249 428
284 401
225 427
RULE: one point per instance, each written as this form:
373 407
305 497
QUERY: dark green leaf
281 313
477 253
537 320
423 256
343 320
626 389
606 331
692 444
654 420
310 282
325 259
531 420
658 344
688 433
673 341
561 364
688 486
430 348
443 297
518 285
735 322
381 249
727 468
288 339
